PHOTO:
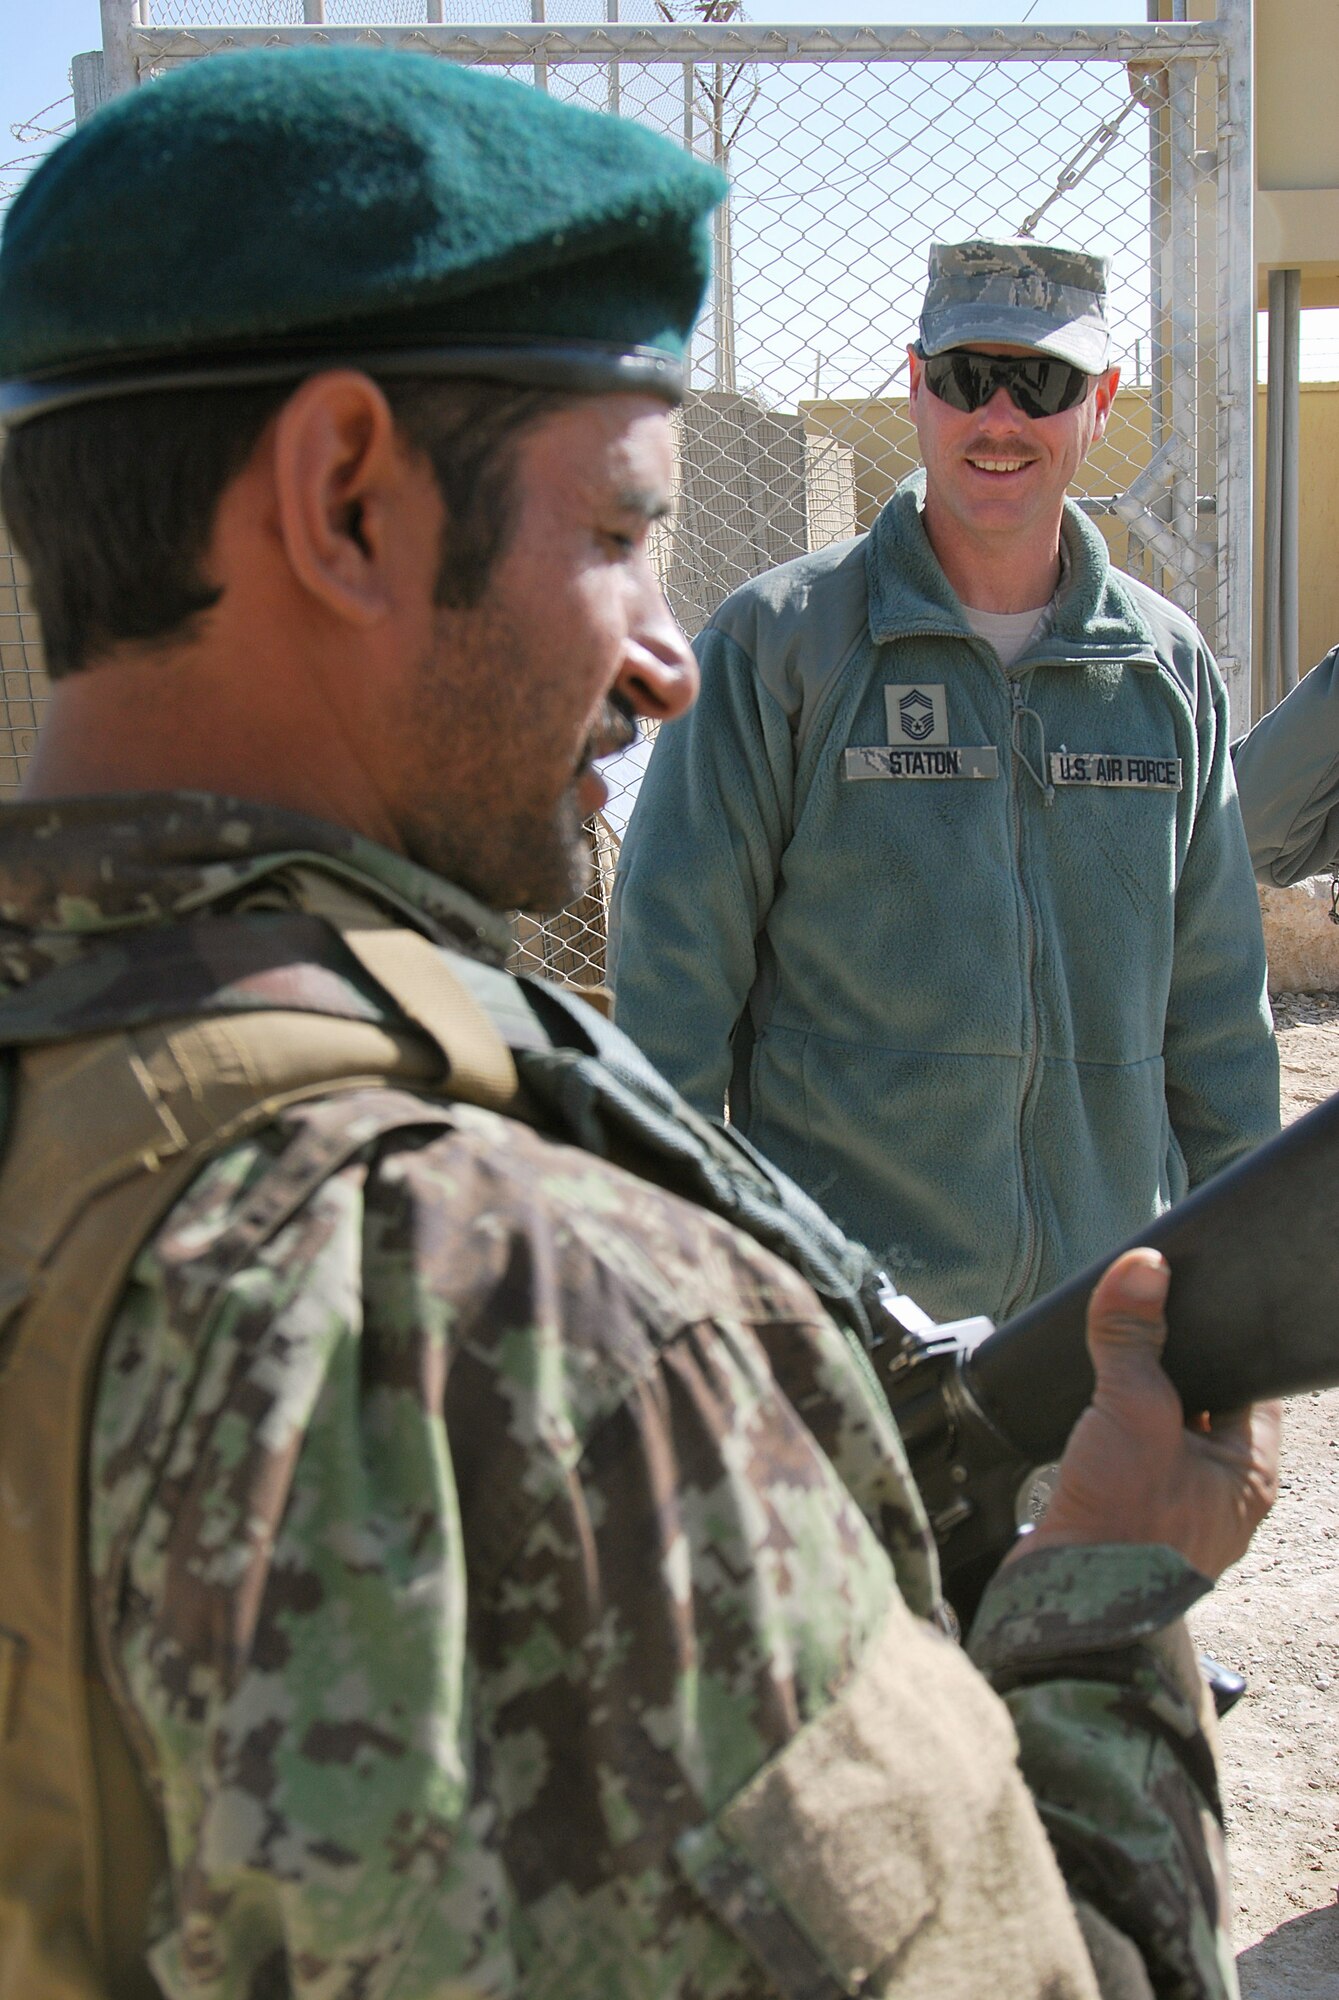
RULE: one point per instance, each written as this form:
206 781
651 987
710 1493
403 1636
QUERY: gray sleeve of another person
1288 781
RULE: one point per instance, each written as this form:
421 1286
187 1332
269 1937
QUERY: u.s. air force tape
1115 767
952 760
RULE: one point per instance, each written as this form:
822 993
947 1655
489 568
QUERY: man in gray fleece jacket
943 881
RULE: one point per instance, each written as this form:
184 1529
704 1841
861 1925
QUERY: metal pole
436 15
1282 411
119 71
1180 296
1290 413
723 277
1235 488
541 68
689 75
615 89
1270 668
1159 213
313 13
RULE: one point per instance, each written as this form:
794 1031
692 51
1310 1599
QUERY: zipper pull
1021 712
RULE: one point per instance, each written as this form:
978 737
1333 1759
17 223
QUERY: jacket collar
73 871
1094 617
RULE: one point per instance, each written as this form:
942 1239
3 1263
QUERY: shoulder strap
420 979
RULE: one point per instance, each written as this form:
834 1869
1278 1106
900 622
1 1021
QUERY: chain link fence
848 151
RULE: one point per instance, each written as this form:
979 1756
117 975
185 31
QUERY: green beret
254 217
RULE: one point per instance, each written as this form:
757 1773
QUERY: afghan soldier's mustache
616 729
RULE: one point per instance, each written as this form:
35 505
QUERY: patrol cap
1041 295
254 217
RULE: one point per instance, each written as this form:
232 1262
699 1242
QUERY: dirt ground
1275 1618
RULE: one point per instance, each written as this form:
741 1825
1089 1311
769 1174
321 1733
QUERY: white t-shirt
1012 632
1009 632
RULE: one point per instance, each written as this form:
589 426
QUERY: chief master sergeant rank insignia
918 745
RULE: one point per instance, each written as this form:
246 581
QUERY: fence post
1182 314
541 69
119 70
614 92
88 80
1236 331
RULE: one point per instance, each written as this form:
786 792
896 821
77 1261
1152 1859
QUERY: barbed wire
29 132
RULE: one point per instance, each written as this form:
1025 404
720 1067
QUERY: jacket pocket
892 1847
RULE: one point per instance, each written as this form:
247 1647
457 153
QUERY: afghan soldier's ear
338 475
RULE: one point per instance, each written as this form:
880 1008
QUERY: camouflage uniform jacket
477 1567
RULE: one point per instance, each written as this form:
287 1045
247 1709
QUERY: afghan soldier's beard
481 800
573 866
523 861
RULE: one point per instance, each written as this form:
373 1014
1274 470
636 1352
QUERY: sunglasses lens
1040 385
960 378
1045 386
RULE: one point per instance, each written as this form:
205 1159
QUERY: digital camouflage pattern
1041 295
461 1547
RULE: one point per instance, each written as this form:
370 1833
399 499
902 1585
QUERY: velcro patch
1116 767
953 760
917 713
891 1847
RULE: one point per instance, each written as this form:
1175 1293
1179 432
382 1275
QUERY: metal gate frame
1170 504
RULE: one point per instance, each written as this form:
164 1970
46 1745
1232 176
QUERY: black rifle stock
1252 1312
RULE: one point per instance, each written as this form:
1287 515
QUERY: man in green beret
943 881
443 1552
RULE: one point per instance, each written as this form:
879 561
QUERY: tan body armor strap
106 1134
420 980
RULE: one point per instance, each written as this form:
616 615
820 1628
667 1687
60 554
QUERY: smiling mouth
1000 465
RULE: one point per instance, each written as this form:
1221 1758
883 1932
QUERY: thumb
1126 1327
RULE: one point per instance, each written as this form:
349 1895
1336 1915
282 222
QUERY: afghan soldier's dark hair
112 505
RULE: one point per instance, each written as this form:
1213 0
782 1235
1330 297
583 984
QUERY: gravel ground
1276 1619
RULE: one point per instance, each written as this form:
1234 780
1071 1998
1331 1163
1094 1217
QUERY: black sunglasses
1038 384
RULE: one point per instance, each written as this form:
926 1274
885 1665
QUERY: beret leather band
583 367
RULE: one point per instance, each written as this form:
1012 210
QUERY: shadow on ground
1298 1961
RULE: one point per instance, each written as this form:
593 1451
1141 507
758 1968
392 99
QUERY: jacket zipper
1030 1226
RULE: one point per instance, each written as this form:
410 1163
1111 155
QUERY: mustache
615 730
987 448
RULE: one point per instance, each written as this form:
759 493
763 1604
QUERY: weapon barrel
1252 1312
